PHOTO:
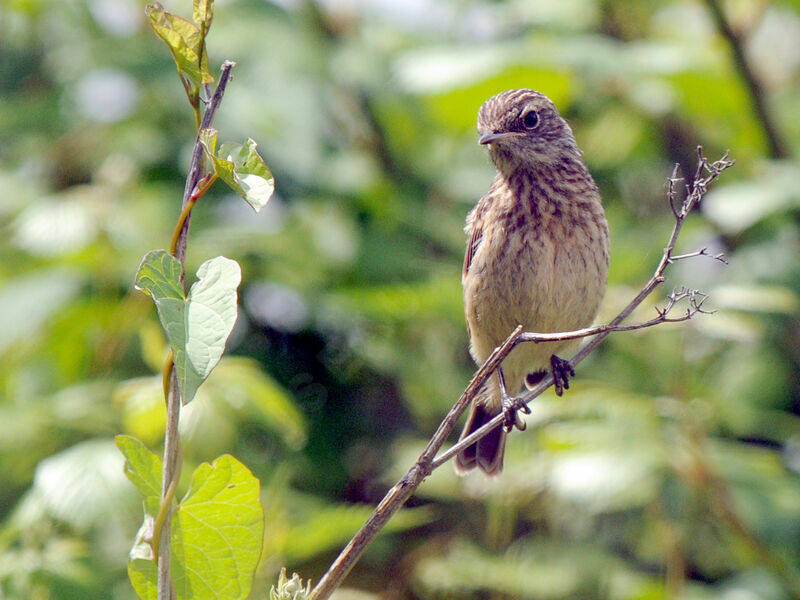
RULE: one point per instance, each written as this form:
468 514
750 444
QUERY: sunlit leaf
241 167
216 539
198 325
211 312
143 574
184 42
216 534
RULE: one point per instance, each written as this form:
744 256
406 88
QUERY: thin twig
671 181
407 485
171 436
702 252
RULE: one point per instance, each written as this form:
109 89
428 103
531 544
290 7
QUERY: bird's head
522 127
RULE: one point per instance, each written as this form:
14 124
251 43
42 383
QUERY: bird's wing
475 229
475 236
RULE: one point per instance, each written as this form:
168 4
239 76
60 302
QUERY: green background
669 470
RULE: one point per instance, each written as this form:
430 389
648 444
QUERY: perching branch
705 174
171 437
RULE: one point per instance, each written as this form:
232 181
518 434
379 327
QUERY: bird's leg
562 371
511 406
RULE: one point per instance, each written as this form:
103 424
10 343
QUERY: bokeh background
670 470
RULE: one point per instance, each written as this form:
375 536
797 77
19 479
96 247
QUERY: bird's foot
562 371
511 408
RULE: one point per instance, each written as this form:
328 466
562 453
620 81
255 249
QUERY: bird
537 255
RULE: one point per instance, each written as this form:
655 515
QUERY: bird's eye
530 119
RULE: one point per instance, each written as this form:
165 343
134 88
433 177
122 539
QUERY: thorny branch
705 174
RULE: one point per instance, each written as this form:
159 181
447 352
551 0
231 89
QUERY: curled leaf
241 167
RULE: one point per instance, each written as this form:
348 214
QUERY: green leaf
198 325
211 312
143 574
241 167
142 467
184 41
216 538
159 274
217 532
203 12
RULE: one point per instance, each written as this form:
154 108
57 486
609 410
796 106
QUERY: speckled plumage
537 252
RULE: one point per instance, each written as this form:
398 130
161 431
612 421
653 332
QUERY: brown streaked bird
537 256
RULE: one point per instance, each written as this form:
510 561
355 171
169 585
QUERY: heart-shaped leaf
197 326
216 536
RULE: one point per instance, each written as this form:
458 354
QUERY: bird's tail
487 452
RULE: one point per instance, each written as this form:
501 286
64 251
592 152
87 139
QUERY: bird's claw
511 417
562 371
511 407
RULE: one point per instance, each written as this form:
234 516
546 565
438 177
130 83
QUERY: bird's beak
491 138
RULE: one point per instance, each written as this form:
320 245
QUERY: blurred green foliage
671 470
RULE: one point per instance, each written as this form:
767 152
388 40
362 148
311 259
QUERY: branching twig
702 252
403 489
171 437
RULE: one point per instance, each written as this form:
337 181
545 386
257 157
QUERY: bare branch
671 182
703 252
426 463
